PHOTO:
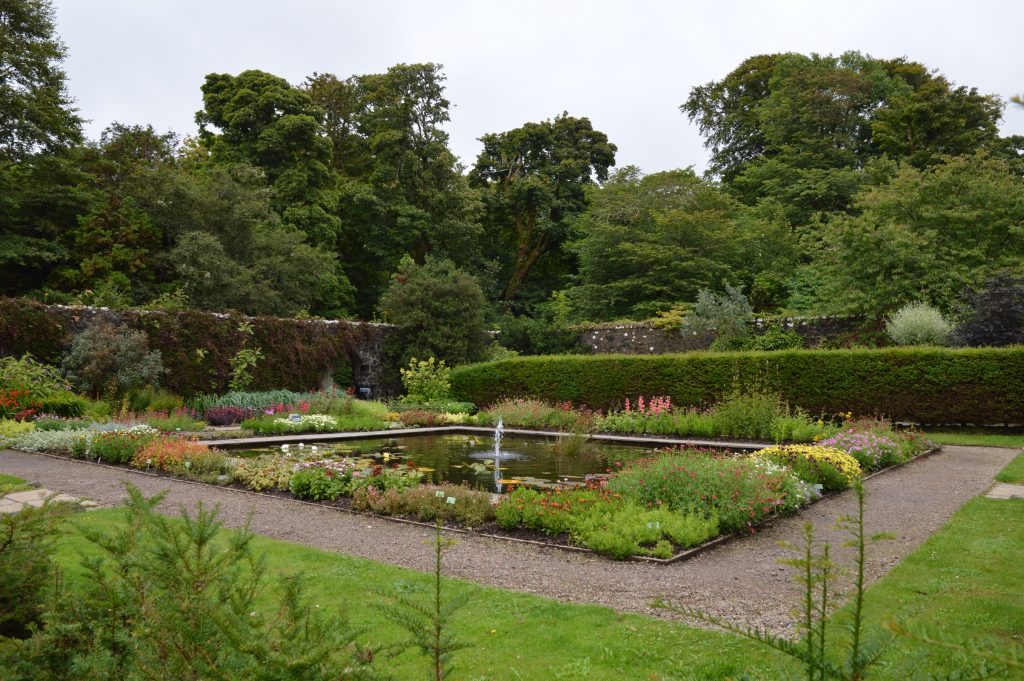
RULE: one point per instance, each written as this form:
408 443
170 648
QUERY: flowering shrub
228 416
265 472
319 482
605 521
306 423
175 455
18 404
739 492
119 446
871 451
427 503
831 468
657 405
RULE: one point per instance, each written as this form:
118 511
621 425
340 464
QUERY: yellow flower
837 458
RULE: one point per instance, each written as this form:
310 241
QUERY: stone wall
196 346
639 338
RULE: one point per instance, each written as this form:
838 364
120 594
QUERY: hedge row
195 346
921 385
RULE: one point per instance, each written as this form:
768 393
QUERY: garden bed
490 529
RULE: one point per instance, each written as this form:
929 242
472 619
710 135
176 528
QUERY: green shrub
25 373
726 315
26 566
907 384
117 447
249 400
65 404
426 380
319 484
747 416
428 503
104 360
149 398
738 491
774 338
439 310
918 324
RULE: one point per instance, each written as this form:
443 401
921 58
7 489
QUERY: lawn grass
10 483
1013 473
514 635
978 438
967 581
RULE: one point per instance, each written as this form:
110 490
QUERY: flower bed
656 507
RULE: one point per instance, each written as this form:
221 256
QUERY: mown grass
10 483
966 581
976 438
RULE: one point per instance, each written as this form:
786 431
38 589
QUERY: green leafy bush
740 492
726 315
191 602
907 384
428 503
319 484
117 446
25 373
426 380
439 310
265 472
11 429
104 360
250 400
26 566
774 338
64 403
149 398
918 324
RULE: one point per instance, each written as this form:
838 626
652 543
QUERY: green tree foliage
928 235
994 314
646 243
534 180
36 112
266 122
800 128
439 309
39 188
111 362
401 188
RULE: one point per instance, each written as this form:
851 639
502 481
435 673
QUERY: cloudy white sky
625 65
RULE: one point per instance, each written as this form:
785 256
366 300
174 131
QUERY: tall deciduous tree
268 123
402 189
648 242
534 180
801 129
927 235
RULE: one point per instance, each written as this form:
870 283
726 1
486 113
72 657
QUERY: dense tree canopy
837 184
648 242
534 180
800 129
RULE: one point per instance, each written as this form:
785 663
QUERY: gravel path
740 580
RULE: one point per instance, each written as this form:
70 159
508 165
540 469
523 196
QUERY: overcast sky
625 65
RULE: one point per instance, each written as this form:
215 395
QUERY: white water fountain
497 454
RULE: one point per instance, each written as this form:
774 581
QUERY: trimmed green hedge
922 385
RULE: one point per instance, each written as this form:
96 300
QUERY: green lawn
968 580
979 438
10 483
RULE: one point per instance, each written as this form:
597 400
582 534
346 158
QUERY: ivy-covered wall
196 347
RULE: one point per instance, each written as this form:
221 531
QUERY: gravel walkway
740 580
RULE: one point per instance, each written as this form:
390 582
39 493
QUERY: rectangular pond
460 458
